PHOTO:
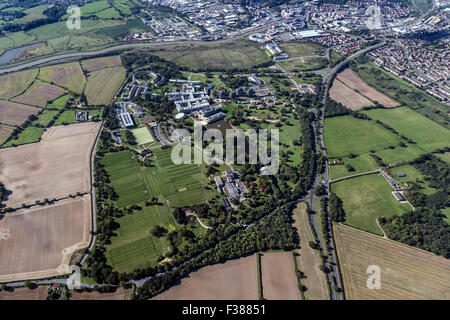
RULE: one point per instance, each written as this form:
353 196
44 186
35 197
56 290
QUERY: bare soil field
39 94
352 80
39 293
103 84
119 294
339 92
308 260
5 131
67 75
279 281
100 63
15 83
406 272
55 167
14 113
38 242
232 280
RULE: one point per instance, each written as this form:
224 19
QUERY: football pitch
143 136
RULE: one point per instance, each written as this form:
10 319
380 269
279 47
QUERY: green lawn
45 117
345 135
306 64
143 135
365 199
394 156
426 133
299 49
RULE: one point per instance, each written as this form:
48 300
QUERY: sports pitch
143 136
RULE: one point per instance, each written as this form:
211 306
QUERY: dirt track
279 281
38 242
233 280
55 167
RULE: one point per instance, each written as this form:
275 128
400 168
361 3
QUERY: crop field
29 171
362 163
67 75
103 84
232 280
239 55
59 103
14 113
298 49
15 83
279 281
403 92
365 199
119 294
341 93
181 185
134 247
5 131
406 273
38 242
100 63
143 135
351 79
345 135
308 259
28 135
39 94
39 293
426 133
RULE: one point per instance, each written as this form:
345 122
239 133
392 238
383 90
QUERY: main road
120 47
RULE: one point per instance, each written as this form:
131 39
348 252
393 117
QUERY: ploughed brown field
339 92
119 294
405 272
38 242
232 280
55 167
99 63
279 281
308 259
39 293
39 94
5 131
351 79
15 113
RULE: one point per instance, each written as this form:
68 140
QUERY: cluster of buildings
228 183
398 189
417 63
171 27
216 19
343 43
123 113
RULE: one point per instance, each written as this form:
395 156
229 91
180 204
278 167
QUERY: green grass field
426 133
365 199
363 163
176 185
134 247
28 135
143 135
240 55
15 83
306 64
59 103
45 117
299 49
103 84
345 135
67 75
394 156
